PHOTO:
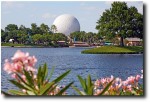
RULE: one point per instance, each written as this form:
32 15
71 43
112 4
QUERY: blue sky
27 12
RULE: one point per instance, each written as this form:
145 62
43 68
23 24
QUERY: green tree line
43 35
114 25
36 34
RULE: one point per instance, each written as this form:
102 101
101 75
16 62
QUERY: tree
59 37
22 28
22 38
37 38
11 27
120 21
3 35
89 37
53 28
34 28
44 28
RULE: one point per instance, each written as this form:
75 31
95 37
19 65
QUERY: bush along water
31 81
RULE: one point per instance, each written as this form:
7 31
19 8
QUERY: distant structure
11 40
134 41
66 24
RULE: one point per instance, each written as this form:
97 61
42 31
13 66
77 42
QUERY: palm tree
44 28
53 28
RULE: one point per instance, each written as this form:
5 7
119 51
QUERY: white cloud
48 15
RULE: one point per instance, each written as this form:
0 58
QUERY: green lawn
11 44
114 50
20 45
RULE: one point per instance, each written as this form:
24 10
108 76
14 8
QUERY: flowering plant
111 86
29 80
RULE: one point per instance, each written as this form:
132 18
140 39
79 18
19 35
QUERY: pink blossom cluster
20 60
117 86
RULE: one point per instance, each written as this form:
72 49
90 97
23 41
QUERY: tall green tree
53 28
3 35
120 21
44 28
37 38
11 27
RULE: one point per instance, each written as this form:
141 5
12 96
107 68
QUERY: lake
63 59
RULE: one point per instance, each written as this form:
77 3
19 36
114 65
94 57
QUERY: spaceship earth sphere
66 24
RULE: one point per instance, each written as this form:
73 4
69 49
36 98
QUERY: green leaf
45 89
30 93
16 92
82 82
17 84
61 77
64 89
45 69
77 90
134 92
43 73
51 73
5 93
28 77
29 87
39 77
89 85
107 87
51 89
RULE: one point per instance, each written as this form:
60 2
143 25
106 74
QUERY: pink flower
24 91
23 77
34 77
31 61
97 83
137 77
20 56
129 87
18 66
131 79
124 83
103 80
8 67
14 76
20 60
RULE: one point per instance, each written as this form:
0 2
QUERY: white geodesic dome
66 24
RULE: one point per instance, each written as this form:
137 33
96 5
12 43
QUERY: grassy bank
114 50
19 45
11 44
25 45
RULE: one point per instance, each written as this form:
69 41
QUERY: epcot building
66 24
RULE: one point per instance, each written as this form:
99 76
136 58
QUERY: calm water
98 65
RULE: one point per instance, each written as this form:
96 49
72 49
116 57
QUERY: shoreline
31 47
82 52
